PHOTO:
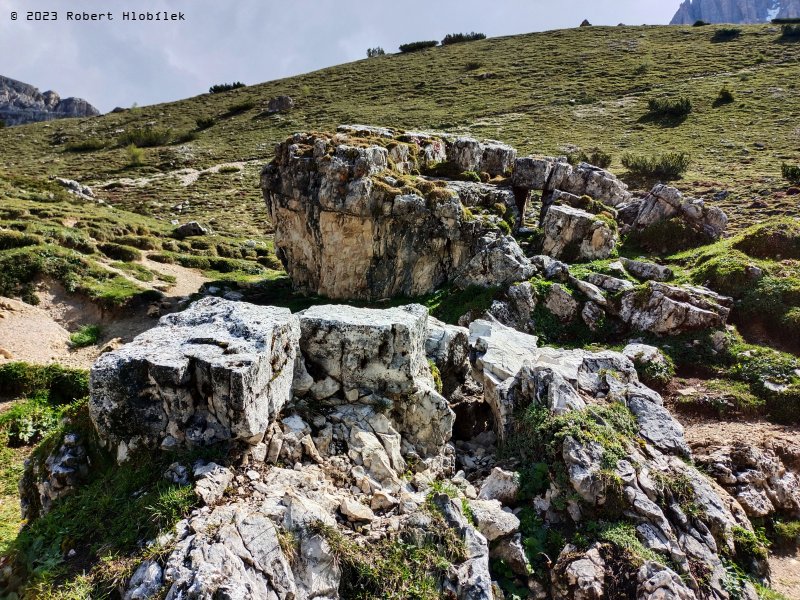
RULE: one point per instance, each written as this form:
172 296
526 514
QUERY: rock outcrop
218 371
572 235
664 203
347 448
21 103
552 175
352 194
735 11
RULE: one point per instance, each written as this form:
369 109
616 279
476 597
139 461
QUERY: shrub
376 51
669 107
784 21
240 107
700 23
204 122
726 34
225 87
595 157
473 65
791 173
87 145
120 252
28 422
145 137
187 137
725 96
665 166
790 33
61 384
458 38
417 46
2 123
88 335
134 155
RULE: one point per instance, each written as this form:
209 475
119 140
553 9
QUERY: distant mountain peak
22 103
735 11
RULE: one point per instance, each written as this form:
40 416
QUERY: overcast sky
120 63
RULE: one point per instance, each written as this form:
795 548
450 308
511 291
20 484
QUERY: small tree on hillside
376 51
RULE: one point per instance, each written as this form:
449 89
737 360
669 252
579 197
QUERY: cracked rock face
572 234
342 195
218 371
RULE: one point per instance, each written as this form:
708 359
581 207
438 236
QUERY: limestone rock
551 174
280 104
233 552
21 103
500 262
146 581
646 271
448 347
212 480
581 578
502 486
492 521
561 303
42 483
378 358
355 511
218 371
735 11
330 196
572 234
670 309
190 229
664 203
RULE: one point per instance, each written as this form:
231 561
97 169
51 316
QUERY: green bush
791 173
790 33
186 137
458 38
63 385
87 145
700 23
88 335
725 96
417 46
204 122
135 155
225 87
29 421
671 165
594 156
240 107
669 107
145 137
726 34
120 252
377 51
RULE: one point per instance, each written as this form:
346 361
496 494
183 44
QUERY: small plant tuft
725 96
669 108
791 173
726 34
88 335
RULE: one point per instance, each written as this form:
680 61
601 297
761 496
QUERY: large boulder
218 371
556 174
353 196
672 309
572 234
664 203
376 359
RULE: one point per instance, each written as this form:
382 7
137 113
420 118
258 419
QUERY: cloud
119 63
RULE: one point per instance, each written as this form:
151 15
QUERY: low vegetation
417 46
669 108
145 137
377 51
667 167
88 335
225 87
791 173
726 34
458 38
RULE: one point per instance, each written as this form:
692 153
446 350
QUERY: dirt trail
40 334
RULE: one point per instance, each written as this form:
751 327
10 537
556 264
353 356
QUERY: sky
117 63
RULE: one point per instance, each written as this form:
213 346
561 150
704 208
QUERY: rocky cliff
21 103
735 11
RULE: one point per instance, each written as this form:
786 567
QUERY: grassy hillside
544 93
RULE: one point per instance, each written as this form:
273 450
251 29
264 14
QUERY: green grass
88 335
431 89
